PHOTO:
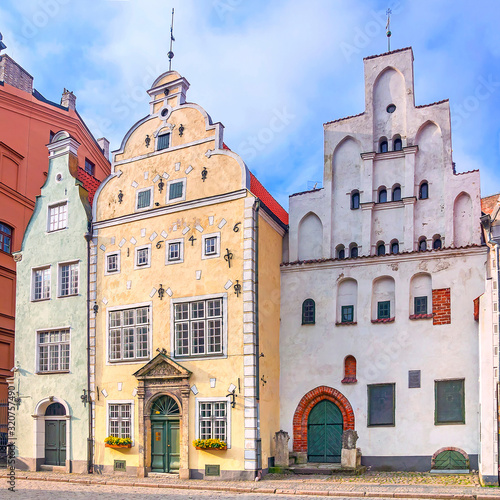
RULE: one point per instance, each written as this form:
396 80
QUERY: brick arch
305 406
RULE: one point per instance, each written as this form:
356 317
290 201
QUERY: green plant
115 440
207 444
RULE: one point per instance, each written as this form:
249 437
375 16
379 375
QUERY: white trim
55 204
228 418
32 290
151 200
132 415
222 296
118 264
217 246
176 181
142 247
181 251
36 371
179 207
150 336
64 263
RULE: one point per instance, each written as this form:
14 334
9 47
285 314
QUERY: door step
53 468
167 475
324 468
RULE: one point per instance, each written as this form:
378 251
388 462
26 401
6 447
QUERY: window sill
40 300
384 320
195 357
381 425
118 446
346 323
130 360
308 324
69 295
52 372
449 423
349 380
422 316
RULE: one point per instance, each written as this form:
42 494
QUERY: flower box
117 446
209 444
211 449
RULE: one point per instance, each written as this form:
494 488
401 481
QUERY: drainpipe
90 445
258 446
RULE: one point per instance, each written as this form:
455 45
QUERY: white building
378 332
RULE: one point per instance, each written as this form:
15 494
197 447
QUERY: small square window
144 199
211 245
89 167
163 141
347 314
420 305
381 404
112 262
175 251
143 256
175 190
384 309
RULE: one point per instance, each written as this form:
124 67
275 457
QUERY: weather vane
388 29
172 40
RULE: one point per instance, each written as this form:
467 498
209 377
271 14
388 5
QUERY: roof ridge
387 53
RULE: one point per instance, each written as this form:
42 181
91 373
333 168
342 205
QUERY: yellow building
185 274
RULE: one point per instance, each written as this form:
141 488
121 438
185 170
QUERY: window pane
174 251
210 245
197 310
182 339
214 335
175 190
198 337
181 311
381 404
384 309
450 407
420 305
214 308
142 256
163 141
347 314
144 199
129 334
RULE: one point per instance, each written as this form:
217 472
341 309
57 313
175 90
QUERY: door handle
168 445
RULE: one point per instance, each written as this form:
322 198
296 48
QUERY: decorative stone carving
18 257
349 439
162 369
281 456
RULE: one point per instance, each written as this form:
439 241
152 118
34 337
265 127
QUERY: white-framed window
213 419
112 262
210 246
68 278
40 283
176 190
129 333
53 351
58 216
199 326
142 256
174 251
120 419
144 198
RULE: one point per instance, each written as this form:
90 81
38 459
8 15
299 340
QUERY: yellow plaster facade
175 230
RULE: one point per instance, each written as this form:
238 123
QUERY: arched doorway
324 433
165 435
55 435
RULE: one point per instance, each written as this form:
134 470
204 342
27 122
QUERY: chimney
68 99
14 75
104 145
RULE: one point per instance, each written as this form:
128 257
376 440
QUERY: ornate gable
162 367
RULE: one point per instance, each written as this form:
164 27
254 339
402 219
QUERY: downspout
258 446
90 447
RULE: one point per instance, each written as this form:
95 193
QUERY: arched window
420 294
394 246
55 409
384 146
354 200
340 252
349 370
308 312
436 244
382 195
381 248
396 193
354 250
423 192
422 244
398 144
5 238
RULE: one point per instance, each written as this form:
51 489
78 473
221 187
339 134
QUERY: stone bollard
349 457
281 457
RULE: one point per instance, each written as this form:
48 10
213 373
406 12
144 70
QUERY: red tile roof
488 204
263 194
90 183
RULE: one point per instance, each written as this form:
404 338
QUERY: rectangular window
198 328
142 256
384 309
5 238
120 420
163 141
175 190
113 262
420 305
213 420
175 251
347 314
211 246
53 351
41 283
68 279
144 198
89 167
58 217
381 404
450 401
128 334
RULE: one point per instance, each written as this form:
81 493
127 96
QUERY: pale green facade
46 373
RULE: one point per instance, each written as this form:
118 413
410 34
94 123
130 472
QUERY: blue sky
252 64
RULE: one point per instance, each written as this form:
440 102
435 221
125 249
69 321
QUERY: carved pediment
161 367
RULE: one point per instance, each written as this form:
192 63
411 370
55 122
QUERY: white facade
433 251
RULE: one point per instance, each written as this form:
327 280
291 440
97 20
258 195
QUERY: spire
172 40
388 29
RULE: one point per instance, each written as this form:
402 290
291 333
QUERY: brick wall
349 370
13 74
441 306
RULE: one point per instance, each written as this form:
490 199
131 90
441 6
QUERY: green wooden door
165 446
451 460
55 442
324 433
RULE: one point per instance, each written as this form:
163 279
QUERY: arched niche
421 294
347 166
383 298
347 301
462 220
310 237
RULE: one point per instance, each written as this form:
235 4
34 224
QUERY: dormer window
163 141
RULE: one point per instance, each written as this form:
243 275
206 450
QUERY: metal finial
172 40
388 29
